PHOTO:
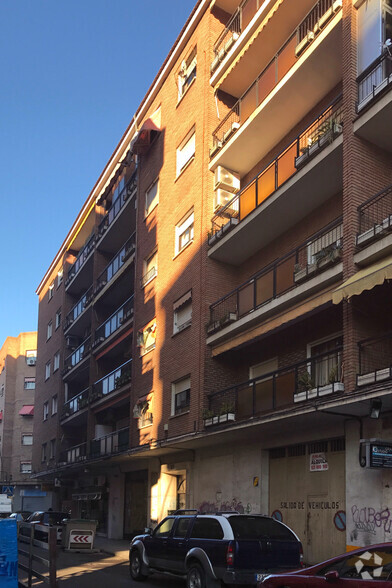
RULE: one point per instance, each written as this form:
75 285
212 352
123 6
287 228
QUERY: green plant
305 380
333 375
207 413
226 407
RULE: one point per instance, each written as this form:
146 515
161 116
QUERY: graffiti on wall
370 521
234 504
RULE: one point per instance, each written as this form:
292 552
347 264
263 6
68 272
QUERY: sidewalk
117 547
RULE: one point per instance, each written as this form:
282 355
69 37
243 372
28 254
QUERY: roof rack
223 512
185 510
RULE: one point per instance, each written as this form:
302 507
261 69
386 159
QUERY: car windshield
251 528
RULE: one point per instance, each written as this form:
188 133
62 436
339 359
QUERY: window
182 312
56 361
147 337
181 395
31 357
150 268
46 411
58 319
54 404
59 277
182 527
47 371
186 151
263 368
187 73
152 197
27 439
43 452
25 467
53 449
163 530
326 361
143 410
49 330
50 291
29 383
184 232
205 528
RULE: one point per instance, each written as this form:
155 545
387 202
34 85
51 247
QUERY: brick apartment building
214 331
17 386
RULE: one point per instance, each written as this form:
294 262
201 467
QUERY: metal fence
375 355
114 322
29 558
375 216
75 404
112 381
116 264
375 79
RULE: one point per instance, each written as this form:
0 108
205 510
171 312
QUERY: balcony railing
114 210
316 377
375 217
110 444
375 359
77 356
81 258
316 254
75 404
79 307
275 71
152 273
113 381
324 129
373 81
74 454
114 322
116 264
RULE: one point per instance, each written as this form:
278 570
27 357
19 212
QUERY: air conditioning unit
226 179
71 341
222 197
31 361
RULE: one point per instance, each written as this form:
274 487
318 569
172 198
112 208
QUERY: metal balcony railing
375 216
77 356
74 454
274 72
113 381
320 133
114 322
79 307
320 251
128 190
313 378
75 404
375 79
81 258
116 264
113 443
375 359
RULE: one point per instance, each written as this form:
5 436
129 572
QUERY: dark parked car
20 516
355 569
209 549
41 521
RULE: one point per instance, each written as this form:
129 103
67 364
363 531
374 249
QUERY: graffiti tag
369 519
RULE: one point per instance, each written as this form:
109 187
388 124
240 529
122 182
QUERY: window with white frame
143 410
261 369
146 337
60 277
47 371
186 151
325 363
150 268
50 291
56 361
27 439
54 404
184 232
29 383
45 411
181 396
49 330
182 312
187 73
152 197
58 319
25 467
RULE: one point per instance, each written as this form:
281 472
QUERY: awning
183 300
365 279
144 137
27 410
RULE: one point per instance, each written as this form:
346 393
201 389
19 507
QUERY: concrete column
116 506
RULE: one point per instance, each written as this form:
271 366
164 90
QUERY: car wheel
196 577
135 566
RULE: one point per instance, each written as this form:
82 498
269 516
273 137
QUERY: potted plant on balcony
228 318
305 386
300 273
328 255
207 416
226 412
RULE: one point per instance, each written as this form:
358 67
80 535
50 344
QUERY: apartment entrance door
135 512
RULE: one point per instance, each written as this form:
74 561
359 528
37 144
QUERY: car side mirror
332 576
147 531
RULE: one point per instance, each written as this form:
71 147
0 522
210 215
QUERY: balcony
112 270
114 322
303 176
75 404
375 361
309 268
83 259
374 238
78 309
313 379
375 103
112 382
111 444
77 357
286 90
73 455
119 215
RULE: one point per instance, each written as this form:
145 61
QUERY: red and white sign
80 537
318 462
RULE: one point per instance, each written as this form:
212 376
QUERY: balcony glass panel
245 402
265 288
248 200
245 299
284 386
264 392
286 164
266 183
248 103
287 57
284 275
113 381
267 81
249 9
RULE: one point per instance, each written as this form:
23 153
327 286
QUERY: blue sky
73 72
